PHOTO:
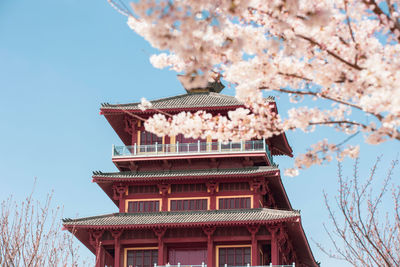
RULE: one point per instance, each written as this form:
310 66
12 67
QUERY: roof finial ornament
196 83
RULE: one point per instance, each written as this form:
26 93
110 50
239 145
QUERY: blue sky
58 61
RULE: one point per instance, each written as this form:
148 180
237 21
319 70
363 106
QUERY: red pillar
117 254
209 231
253 229
95 239
210 254
212 188
160 252
274 248
256 187
213 204
164 203
119 192
164 188
117 247
256 199
159 232
122 207
99 255
254 250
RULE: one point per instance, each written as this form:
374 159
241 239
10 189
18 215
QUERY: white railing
190 148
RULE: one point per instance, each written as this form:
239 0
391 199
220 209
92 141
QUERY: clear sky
59 60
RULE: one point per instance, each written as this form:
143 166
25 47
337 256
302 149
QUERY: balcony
160 150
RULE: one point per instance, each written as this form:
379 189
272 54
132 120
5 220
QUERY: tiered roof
190 100
194 218
182 174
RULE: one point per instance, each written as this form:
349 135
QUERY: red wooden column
256 187
159 232
211 189
117 247
164 188
119 192
95 240
274 246
253 229
209 231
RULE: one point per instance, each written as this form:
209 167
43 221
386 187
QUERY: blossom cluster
343 52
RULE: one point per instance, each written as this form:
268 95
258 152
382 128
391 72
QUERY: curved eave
100 178
112 111
105 182
182 225
297 231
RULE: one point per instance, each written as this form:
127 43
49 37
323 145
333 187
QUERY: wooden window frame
141 248
232 246
200 185
222 185
157 191
189 198
153 138
240 196
147 199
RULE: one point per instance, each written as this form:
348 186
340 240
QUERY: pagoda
192 202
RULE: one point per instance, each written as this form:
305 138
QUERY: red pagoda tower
192 202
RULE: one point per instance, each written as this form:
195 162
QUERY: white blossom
321 50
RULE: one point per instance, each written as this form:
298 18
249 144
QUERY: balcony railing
190 148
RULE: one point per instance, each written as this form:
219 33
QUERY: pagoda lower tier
214 238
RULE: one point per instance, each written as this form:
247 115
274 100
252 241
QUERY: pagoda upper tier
140 145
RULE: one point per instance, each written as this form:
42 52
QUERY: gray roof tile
176 218
191 100
185 173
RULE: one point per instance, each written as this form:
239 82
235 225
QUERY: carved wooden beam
164 188
118 191
211 187
116 233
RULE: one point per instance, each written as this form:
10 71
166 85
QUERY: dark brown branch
313 42
348 22
378 12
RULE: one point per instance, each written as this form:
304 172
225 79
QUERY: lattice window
188 204
234 203
143 189
234 186
144 206
142 258
177 188
237 256
147 138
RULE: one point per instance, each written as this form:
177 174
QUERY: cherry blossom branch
324 96
315 43
294 75
124 11
380 14
30 235
364 237
320 95
348 22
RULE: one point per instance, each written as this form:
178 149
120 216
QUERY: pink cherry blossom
346 53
